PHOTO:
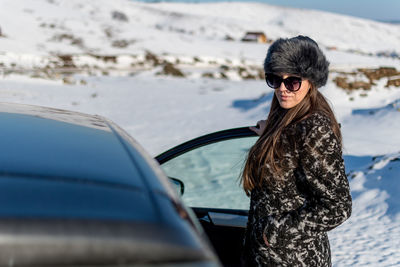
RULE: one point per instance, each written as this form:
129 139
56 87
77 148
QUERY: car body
76 190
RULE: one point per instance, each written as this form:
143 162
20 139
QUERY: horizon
382 11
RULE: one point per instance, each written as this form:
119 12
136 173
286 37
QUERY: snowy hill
169 72
125 37
128 27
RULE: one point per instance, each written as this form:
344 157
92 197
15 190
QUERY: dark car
76 190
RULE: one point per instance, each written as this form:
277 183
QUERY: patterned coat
295 215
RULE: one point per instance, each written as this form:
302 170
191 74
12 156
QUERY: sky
382 10
386 10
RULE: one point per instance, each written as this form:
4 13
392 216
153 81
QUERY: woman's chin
286 104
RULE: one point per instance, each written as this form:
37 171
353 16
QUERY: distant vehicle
76 190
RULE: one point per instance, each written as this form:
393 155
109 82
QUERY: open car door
209 169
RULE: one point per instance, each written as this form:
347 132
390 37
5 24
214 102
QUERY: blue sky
372 9
385 10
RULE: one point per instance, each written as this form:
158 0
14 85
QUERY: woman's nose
282 87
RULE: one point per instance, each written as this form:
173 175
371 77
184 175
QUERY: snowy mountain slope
235 18
118 35
81 26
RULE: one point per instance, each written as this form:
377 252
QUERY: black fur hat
298 56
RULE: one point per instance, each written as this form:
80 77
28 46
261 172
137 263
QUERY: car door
209 169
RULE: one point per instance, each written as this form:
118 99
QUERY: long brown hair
267 150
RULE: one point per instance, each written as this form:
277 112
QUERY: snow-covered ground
106 70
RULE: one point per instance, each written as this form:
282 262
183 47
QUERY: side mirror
179 185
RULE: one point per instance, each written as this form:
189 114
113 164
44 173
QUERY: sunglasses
291 83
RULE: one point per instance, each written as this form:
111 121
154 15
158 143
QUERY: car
77 190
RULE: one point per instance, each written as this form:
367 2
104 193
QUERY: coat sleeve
322 167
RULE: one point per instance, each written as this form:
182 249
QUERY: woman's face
288 99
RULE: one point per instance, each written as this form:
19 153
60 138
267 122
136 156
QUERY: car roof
69 157
48 142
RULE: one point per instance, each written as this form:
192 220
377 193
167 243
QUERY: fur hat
298 56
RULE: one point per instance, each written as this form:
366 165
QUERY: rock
228 38
224 67
69 37
153 59
117 15
207 75
223 75
170 69
395 82
68 80
372 75
376 74
120 43
343 83
196 59
67 61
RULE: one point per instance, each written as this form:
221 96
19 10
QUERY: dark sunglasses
291 83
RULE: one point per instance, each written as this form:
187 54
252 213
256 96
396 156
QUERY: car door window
211 174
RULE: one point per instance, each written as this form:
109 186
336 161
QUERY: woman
295 172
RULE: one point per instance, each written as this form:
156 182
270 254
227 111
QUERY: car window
211 174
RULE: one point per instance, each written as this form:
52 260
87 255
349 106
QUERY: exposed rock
152 58
245 74
112 59
65 36
371 74
395 82
117 15
261 74
241 70
224 67
45 25
343 83
67 61
223 75
249 76
68 80
108 32
376 74
207 75
196 59
120 43
170 69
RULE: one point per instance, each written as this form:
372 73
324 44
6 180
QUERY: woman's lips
284 97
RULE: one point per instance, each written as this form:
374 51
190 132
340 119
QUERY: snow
371 236
162 111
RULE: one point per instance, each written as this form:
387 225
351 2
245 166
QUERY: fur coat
288 221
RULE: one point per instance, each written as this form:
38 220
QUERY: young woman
295 173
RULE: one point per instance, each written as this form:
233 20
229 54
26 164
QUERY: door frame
204 140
